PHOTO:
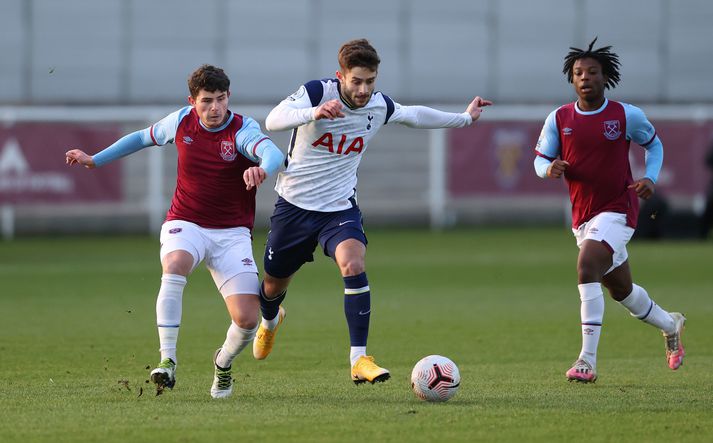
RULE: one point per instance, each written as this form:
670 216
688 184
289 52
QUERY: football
435 378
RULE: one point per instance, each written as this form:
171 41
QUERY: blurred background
81 73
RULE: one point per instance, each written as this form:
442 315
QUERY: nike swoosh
364 313
344 223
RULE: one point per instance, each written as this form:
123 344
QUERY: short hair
358 53
208 77
609 61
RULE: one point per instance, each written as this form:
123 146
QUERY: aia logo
227 150
327 140
370 118
611 129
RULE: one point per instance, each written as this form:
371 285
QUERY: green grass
77 316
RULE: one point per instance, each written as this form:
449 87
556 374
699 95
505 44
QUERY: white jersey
324 155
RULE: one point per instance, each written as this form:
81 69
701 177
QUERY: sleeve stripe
544 156
315 90
258 142
153 139
650 141
389 107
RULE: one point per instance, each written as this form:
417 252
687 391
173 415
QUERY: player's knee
177 262
245 321
272 287
352 267
588 271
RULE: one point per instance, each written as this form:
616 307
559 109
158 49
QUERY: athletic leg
594 259
636 299
244 307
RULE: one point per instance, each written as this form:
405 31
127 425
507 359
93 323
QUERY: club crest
227 150
611 129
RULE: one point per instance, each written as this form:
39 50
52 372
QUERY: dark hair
358 53
609 61
209 78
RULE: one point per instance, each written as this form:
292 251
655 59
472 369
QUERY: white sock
643 308
168 313
271 324
592 314
355 353
236 340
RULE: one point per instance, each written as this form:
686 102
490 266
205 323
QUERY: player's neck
590 105
225 119
346 101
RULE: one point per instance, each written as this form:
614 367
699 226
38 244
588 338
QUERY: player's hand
476 107
79 157
644 188
557 168
254 177
331 110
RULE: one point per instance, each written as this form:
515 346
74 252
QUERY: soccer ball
435 378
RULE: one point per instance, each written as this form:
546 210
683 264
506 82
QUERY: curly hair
609 61
358 53
209 78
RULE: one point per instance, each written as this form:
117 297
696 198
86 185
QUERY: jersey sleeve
638 128
297 109
642 132
548 145
256 146
425 117
126 145
164 131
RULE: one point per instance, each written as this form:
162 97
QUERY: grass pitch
78 339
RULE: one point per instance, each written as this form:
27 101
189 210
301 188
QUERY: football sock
357 309
270 308
236 340
356 352
592 314
168 313
643 308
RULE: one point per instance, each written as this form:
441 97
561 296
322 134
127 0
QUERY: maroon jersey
210 190
597 149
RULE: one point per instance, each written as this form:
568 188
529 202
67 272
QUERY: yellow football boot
366 370
265 338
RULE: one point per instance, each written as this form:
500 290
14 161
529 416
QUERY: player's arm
258 147
126 145
547 165
642 132
429 118
159 133
302 107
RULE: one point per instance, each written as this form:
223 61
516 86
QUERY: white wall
141 52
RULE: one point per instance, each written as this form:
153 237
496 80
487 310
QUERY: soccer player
587 143
332 121
211 214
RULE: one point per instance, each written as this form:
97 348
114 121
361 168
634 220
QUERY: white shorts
227 253
611 229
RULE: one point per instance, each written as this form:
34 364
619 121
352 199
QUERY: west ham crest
227 151
611 129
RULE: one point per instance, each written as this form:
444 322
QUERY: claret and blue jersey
596 146
210 190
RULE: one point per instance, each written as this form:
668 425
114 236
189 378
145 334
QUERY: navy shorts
295 233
